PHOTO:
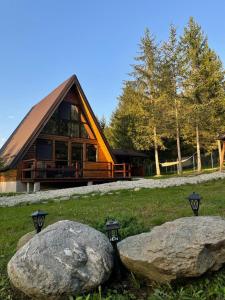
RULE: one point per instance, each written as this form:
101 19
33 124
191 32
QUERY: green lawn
185 173
137 211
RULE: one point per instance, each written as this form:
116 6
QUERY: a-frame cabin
58 141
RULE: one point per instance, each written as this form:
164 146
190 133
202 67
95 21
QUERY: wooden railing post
124 170
112 170
22 170
76 169
35 168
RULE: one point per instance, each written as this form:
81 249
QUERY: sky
44 42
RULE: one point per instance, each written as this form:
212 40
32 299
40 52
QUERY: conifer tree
202 84
147 75
124 119
102 122
170 80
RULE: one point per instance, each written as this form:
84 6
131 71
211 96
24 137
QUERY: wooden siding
10 175
97 169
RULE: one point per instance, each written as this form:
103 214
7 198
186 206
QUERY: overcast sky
44 42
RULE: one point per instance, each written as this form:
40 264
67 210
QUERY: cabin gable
60 140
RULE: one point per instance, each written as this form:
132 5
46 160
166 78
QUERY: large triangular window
69 120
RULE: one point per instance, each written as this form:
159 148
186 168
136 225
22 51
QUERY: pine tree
102 122
202 85
170 79
124 118
147 76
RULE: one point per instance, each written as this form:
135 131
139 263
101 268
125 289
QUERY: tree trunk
199 162
221 154
179 166
156 153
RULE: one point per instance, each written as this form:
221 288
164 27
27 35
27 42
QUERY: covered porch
34 170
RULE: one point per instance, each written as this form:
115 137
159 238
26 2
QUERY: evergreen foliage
124 119
202 86
176 93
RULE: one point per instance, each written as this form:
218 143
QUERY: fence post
212 160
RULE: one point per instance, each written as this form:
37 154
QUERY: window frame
96 152
47 142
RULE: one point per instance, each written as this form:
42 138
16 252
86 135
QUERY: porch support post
37 187
30 187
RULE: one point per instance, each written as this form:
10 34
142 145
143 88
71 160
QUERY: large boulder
186 247
24 239
64 259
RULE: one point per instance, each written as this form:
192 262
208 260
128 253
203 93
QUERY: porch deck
59 171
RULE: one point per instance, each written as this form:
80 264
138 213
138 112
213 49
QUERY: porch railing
33 169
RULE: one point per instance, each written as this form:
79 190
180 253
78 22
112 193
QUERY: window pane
84 133
77 152
61 150
63 128
92 153
74 129
64 111
44 150
74 113
51 126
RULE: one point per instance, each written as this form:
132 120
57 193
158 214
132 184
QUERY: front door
77 157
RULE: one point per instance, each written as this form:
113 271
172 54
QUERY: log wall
10 175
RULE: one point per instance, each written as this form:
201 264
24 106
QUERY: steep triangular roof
28 130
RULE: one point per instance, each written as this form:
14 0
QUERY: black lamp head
194 200
112 228
38 219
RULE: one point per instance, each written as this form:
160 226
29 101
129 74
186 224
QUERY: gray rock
24 239
64 259
186 247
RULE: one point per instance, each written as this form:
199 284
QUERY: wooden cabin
137 160
58 141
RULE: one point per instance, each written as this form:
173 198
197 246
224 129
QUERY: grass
137 211
185 173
